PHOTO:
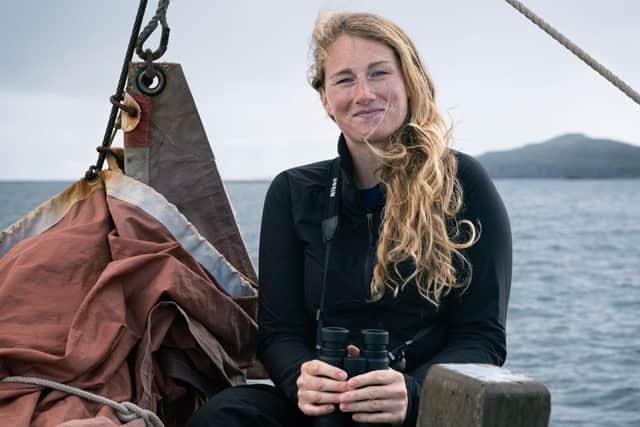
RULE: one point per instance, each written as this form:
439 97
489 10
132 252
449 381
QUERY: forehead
351 52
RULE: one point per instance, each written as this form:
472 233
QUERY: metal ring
91 174
144 87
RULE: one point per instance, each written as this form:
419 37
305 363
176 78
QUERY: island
571 156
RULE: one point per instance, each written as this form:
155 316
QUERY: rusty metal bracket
91 173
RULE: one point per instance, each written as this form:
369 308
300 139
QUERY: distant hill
567 156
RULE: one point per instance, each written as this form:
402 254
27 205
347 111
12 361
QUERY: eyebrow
349 70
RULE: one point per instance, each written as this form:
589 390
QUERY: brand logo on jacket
334 186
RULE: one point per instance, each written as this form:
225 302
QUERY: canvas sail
136 289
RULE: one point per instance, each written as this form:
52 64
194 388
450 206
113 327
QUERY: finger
317 397
308 382
319 368
315 410
381 376
372 393
326 384
377 418
377 405
353 351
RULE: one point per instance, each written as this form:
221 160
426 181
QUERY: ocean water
574 312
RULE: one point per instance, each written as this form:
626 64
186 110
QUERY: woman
422 247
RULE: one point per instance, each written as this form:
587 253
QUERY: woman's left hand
376 397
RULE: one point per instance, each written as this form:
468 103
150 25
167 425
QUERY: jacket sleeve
284 326
476 318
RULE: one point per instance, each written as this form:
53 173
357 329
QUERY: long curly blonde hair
420 228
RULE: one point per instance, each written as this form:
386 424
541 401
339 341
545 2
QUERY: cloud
502 80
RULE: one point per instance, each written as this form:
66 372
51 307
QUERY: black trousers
259 405
256 405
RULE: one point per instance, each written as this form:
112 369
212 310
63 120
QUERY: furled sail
136 287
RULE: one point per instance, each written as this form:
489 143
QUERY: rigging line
125 411
576 50
106 140
160 15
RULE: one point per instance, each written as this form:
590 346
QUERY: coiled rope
126 411
576 50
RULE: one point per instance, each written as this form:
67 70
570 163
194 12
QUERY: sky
500 81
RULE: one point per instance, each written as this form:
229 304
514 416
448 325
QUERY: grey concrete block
471 395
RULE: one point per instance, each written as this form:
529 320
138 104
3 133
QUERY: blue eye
346 80
379 73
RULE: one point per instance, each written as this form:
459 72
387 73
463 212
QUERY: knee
234 406
219 410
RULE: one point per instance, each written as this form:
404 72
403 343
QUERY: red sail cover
107 287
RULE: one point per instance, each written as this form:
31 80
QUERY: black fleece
468 327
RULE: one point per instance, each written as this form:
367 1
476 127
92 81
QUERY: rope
125 411
161 15
119 96
584 56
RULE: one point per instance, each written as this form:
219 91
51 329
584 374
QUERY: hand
376 397
319 387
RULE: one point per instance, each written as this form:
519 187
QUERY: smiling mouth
369 113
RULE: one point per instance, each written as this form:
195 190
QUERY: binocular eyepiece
374 355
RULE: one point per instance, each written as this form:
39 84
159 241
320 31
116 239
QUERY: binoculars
374 355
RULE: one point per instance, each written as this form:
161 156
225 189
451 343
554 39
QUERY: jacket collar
350 196
346 161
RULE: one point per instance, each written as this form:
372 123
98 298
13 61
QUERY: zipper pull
370 228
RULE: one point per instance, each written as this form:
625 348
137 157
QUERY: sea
574 312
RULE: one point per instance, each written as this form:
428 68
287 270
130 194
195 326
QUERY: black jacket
466 328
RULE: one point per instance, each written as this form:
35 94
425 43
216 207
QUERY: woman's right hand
319 387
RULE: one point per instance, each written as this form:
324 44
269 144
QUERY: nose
364 92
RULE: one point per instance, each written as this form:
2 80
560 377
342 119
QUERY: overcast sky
502 82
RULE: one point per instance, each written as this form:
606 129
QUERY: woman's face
364 90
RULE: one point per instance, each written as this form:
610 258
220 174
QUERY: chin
375 138
378 137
